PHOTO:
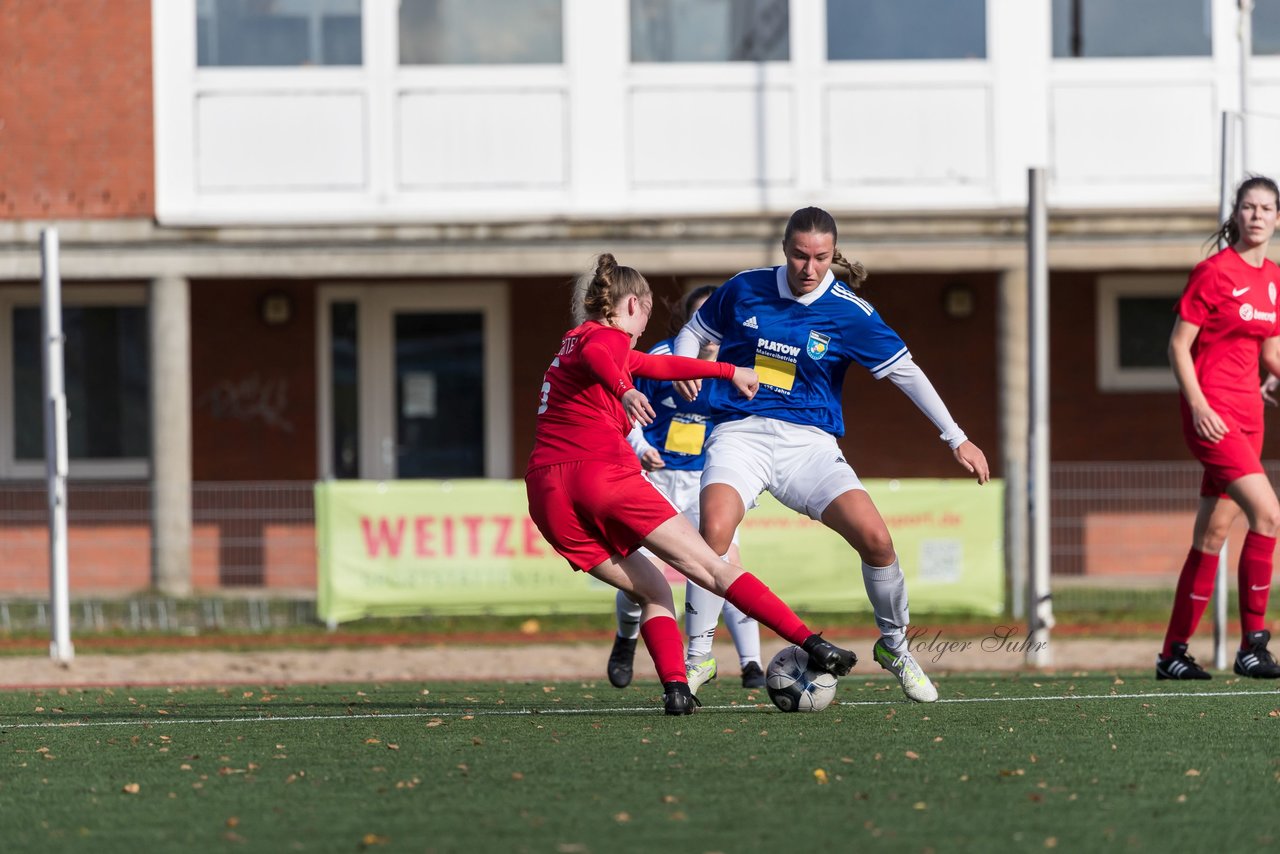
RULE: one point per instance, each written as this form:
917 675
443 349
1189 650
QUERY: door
416 382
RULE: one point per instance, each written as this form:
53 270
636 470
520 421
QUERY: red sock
666 648
750 595
1255 581
1195 586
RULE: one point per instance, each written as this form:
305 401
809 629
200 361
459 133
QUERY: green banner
468 547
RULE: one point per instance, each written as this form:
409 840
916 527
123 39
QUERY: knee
1267 521
718 532
877 550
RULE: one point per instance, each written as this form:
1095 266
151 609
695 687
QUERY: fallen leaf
131 788
920 805
434 722
530 627
911 754
1191 772
233 822
1051 842
820 776
622 817
372 741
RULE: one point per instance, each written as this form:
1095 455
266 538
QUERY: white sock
887 591
745 633
628 614
701 613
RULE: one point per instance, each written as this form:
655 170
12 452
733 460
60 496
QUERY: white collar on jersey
784 290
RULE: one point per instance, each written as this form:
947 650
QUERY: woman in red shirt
591 502
1226 323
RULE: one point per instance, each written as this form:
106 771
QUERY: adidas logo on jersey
669 402
751 323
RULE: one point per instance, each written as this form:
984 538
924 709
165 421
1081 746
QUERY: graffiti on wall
250 399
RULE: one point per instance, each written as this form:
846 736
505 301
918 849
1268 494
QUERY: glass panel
464 32
278 32
1143 325
345 366
1266 27
107 381
439 394
906 29
710 31
1101 28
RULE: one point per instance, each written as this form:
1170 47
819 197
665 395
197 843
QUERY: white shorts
681 488
801 466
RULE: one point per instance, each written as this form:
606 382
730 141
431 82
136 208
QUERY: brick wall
75 109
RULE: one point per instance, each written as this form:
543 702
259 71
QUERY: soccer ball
794 686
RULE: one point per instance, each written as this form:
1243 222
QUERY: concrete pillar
171 436
1013 355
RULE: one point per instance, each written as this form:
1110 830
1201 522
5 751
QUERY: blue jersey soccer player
801 329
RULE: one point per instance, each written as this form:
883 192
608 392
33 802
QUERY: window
1135 317
1266 28
470 32
906 29
278 33
710 31
1115 28
107 376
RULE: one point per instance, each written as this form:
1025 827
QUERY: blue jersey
679 426
800 347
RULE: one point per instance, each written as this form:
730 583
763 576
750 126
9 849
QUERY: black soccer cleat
1255 660
826 656
621 661
1179 665
677 699
752 675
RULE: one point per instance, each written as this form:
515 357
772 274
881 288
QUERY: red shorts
590 511
1237 454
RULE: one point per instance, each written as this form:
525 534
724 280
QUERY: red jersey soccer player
1226 321
588 497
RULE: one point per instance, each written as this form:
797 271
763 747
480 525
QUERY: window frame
1110 289
121 296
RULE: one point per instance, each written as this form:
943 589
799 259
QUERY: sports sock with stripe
1255 581
628 614
1195 586
701 613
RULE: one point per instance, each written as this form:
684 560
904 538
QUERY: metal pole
1039 596
1246 53
1226 204
55 447
1220 612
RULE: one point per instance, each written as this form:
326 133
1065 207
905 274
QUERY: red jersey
1234 304
581 415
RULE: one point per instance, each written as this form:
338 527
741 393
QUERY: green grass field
1021 763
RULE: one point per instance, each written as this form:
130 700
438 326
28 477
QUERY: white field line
161 721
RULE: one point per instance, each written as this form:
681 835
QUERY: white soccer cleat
700 673
904 665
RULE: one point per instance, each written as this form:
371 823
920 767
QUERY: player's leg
745 633
636 576
853 515
1214 518
622 655
676 542
1257 499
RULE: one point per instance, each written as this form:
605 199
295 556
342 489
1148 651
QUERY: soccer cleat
752 675
699 673
621 660
1256 661
1179 665
827 657
677 699
904 665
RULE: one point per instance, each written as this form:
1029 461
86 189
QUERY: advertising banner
400 548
